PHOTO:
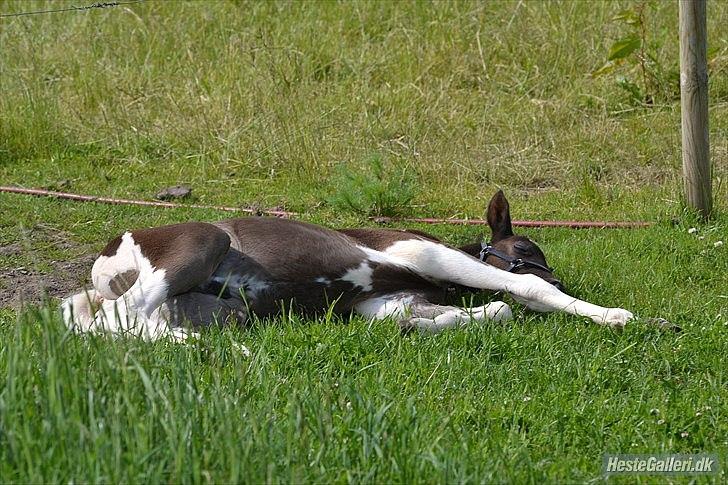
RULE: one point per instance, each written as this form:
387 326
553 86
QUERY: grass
264 104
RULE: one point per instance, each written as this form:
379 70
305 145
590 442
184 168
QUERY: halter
514 263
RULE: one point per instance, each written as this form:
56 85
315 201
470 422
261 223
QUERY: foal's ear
499 217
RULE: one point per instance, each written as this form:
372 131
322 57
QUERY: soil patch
22 282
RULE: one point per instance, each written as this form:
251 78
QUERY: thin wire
286 214
72 9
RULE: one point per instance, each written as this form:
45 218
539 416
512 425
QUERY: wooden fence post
694 106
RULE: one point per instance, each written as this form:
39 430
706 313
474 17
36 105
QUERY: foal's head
510 252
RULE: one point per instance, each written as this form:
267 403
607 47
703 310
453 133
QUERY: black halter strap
513 263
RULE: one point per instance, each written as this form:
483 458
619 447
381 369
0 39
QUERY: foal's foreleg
445 264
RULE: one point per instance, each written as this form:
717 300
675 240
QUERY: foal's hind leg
186 313
140 270
413 311
200 310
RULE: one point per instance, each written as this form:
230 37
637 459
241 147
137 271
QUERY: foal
154 282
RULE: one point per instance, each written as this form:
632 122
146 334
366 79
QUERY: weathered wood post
694 105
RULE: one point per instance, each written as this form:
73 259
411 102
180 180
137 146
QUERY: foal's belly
273 263
265 293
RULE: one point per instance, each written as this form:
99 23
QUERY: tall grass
353 402
266 96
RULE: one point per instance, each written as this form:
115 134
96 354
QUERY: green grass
263 104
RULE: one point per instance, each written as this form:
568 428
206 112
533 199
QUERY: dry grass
267 97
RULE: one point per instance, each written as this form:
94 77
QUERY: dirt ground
22 281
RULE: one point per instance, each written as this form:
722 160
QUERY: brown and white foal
157 282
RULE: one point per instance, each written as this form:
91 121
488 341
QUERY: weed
376 189
633 60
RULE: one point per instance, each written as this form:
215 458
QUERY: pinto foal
157 282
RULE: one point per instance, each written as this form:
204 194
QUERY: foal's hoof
406 326
616 318
496 311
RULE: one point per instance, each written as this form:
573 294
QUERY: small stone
176 192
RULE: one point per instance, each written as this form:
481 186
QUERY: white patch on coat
444 264
360 276
128 257
322 280
249 286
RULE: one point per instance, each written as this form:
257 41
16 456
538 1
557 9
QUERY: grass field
265 104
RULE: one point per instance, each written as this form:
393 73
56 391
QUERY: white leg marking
242 349
496 311
182 334
431 317
445 264
113 317
395 306
119 317
123 317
